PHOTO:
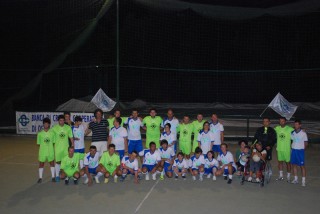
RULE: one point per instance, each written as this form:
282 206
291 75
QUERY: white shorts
101 146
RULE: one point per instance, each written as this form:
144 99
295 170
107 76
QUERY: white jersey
118 135
196 162
150 158
167 154
78 132
298 139
130 164
171 137
206 140
210 163
91 162
134 128
226 159
216 130
180 165
174 124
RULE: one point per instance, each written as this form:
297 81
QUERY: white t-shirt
131 164
118 135
150 158
212 163
167 154
134 128
216 130
262 152
174 124
206 140
226 159
78 132
169 137
298 139
181 165
196 162
91 162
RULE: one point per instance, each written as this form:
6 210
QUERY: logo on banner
24 120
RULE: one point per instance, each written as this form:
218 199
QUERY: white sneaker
257 180
209 176
86 181
194 178
154 176
200 178
250 179
97 180
115 179
280 178
147 177
288 179
106 180
303 184
214 178
294 182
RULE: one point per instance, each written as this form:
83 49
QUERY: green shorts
70 173
284 156
60 153
185 147
47 158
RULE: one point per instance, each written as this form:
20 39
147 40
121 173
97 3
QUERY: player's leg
214 170
41 166
157 170
52 170
76 176
295 162
231 170
168 170
145 170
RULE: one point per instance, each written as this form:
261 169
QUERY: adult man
68 122
116 114
174 122
99 128
283 147
109 164
185 141
217 130
70 167
63 134
197 127
91 162
130 165
118 136
267 136
152 126
151 160
134 135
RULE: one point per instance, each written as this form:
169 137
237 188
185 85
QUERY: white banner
31 122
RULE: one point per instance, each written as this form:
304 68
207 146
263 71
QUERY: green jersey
283 138
110 162
153 126
185 132
62 135
46 139
111 120
70 165
197 127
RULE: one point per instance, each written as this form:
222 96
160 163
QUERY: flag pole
264 111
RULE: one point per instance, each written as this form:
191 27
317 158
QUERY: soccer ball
244 158
256 158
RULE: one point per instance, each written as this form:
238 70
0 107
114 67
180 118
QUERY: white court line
145 198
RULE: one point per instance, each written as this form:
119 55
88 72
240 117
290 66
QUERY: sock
81 164
162 173
40 172
201 174
57 167
230 177
157 172
124 175
52 171
115 176
84 176
281 174
288 175
175 173
183 174
99 174
303 179
296 178
75 178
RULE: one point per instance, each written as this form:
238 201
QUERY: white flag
102 101
280 105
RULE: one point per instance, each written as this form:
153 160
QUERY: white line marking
145 198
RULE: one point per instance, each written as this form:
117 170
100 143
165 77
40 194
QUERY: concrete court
21 194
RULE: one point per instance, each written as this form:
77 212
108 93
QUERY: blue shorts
135 145
129 172
149 167
297 157
179 170
226 172
166 167
93 170
208 171
216 148
121 154
79 150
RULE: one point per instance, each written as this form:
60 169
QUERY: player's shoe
280 179
303 183
86 181
225 177
257 180
209 176
106 180
39 181
184 177
229 181
147 177
53 179
57 179
194 178
115 179
97 180
154 176
75 181
66 181
250 179
214 178
200 178
122 178
294 182
161 177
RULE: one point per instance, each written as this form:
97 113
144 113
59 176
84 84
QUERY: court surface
21 194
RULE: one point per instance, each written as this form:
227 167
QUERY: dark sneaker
53 179
122 178
184 177
57 179
176 177
229 181
39 181
75 181
66 181
225 177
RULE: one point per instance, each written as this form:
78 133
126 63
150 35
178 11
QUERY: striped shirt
99 130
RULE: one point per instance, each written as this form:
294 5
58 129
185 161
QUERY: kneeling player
110 164
211 165
151 160
91 162
70 167
197 164
227 165
167 157
180 166
130 165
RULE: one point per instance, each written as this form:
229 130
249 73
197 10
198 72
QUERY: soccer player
197 127
91 162
130 165
169 136
180 166
174 122
205 138
167 156
118 136
109 164
78 131
134 134
99 129
70 167
226 162
217 130
283 147
117 114
68 122
63 134
210 165
299 143
267 136
185 141
151 160
152 125
45 140
197 164
255 165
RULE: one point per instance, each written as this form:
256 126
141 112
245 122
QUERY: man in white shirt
118 136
